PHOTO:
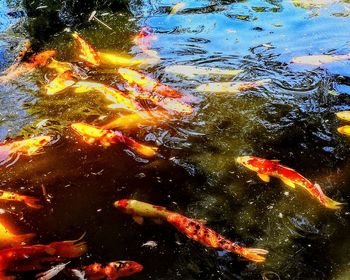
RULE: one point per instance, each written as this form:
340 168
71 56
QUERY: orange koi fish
92 134
344 115
35 61
60 83
87 52
31 202
135 120
147 84
271 168
193 229
9 239
29 258
231 87
119 100
318 60
26 147
111 271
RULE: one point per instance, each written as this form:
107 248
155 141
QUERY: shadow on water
292 119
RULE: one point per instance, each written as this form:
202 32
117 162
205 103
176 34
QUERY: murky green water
291 119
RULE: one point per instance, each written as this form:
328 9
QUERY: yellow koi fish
177 8
193 229
87 52
92 134
117 60
271 168
135 120
231 87
119 99
60 83
191 71
318 60
344 115
345 130
59 67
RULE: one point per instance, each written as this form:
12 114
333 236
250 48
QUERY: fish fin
332 204
288 182
275 160
202 221
138 219
254 254
32 202
264 177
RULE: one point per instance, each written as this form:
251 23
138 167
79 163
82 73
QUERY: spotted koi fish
193 229
111 271
26 147
31 202
147 84
33 257
87 52
271 168
92 134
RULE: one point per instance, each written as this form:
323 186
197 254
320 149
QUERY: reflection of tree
47 17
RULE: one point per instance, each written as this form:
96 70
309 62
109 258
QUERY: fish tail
254 254
32 202
331 204
18 239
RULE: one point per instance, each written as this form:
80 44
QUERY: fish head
124 206
42 58
88 131
249 162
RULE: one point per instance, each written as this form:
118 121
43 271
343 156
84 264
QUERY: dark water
291 119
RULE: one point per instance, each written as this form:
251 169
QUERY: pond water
292 119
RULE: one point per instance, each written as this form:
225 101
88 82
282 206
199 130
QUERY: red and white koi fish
147 84
271 168
111 271
318 60
105 137
26 147
35 61
33 257
193 229
231 87
30 201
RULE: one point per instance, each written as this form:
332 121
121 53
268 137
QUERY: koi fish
47 275
33 257
231 87
118 99
177 8
9 239
111 271
59 67
92 134
31 202
191 71
318 60
87 52
170 104
271 168
193 229
60 83
146 83
117 60
26 147
35 61
344 115
345 130
137 119
144 38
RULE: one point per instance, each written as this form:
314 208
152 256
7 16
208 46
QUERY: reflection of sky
4 18
208 28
